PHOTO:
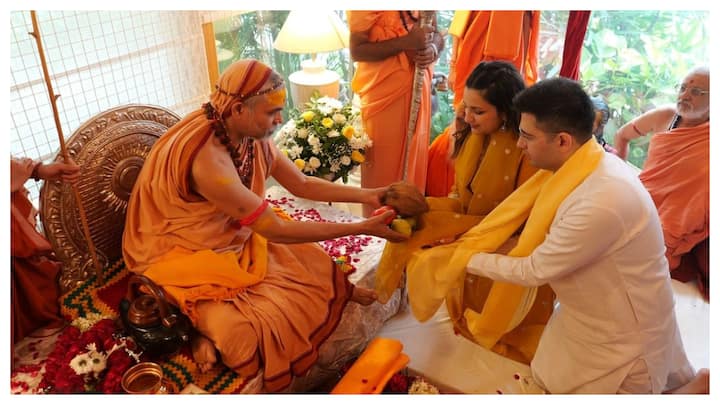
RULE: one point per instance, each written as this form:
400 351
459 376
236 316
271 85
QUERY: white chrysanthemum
295 151
314 162
313 140
335 167
81 364
302 133
333 134
345 160
98 362
326 101
356 143
339 118
316 149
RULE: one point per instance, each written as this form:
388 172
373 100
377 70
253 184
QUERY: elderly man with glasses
677 173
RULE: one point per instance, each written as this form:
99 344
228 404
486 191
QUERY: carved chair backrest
110 148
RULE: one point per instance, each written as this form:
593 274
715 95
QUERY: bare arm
215 178
312 188
363 50
649 122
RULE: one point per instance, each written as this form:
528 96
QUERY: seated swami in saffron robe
198 226
677 174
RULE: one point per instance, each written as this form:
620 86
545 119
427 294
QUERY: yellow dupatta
438 274
488 167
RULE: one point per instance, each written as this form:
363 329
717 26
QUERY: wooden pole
63 149
418 78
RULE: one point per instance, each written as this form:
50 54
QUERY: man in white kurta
614 327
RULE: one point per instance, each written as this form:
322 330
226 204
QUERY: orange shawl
677 175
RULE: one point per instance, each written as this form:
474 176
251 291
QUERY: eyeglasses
695 91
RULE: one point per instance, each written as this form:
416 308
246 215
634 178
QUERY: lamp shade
312 31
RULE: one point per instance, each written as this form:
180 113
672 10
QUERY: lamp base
312 77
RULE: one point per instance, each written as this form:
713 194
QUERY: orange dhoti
677 175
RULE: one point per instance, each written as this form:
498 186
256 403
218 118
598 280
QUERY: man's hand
425 57
377 226
374 196
417 38
68 172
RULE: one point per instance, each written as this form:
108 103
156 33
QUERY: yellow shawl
438 274
488 168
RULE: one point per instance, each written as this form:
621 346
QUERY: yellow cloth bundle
373 369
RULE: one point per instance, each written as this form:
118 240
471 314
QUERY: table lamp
311 32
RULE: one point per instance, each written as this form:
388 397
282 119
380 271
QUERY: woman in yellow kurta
386 46
489 167
481 36
197 225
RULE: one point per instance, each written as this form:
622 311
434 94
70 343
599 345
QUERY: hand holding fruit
404 226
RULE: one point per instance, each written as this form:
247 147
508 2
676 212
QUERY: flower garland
89 356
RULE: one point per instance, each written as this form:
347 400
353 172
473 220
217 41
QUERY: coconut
406 199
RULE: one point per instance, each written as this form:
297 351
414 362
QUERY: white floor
458 365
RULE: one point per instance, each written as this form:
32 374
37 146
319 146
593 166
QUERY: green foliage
633 59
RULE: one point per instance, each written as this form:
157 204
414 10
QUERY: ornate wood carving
111 149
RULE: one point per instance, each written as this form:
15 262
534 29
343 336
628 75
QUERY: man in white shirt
614 328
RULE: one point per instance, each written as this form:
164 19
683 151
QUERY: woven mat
180 369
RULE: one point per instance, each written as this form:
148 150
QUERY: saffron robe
34 272
262 304
385 90
677 175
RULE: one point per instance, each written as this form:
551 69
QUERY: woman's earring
502 127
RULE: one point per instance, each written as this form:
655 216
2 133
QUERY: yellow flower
299 163
357 156
348 131
327 122
308 116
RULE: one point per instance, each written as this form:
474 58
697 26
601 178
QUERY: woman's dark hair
500 81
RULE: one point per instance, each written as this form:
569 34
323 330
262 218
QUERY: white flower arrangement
325 140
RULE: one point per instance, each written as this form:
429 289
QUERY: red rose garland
67 372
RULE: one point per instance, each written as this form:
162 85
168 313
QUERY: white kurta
604 258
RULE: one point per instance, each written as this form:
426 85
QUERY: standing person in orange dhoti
480 36
677 174
34 269
197 225
387 45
